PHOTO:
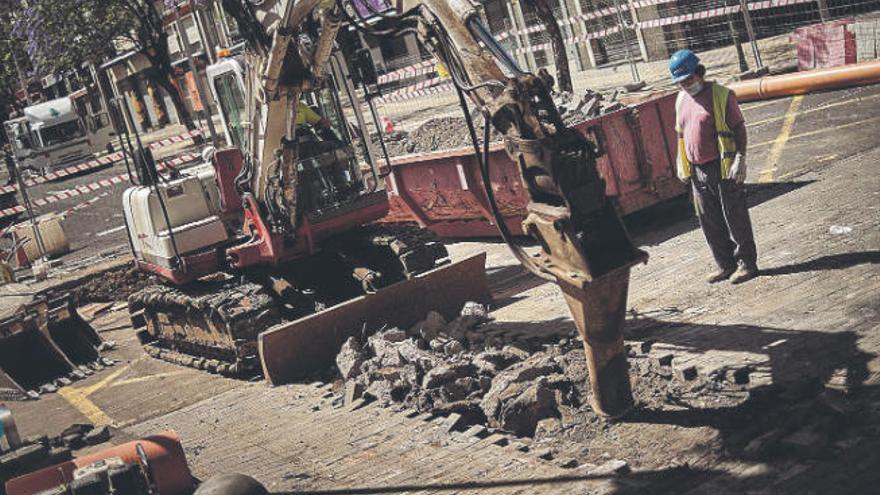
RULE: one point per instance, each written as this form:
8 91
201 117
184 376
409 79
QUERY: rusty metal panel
292 351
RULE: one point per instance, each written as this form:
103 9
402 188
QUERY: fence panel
611 43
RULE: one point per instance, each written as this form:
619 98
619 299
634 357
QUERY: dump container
443 191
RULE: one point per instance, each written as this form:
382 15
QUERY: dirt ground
784 398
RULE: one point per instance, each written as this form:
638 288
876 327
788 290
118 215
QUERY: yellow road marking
147 378
770 165
103 383
813 110
750 106
78 398
819 131
81 403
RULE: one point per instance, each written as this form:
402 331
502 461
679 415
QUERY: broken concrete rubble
505 387
350 359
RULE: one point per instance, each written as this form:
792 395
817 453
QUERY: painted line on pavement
751 106
79 398
771 165
86 407
819 131
110 231
148 378
817 109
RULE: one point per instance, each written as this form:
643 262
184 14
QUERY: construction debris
444 368
447 133
590 105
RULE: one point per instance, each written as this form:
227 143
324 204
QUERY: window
61 133
231 102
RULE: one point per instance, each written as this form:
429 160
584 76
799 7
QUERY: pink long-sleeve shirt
697 122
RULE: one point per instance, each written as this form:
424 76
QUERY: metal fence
612 43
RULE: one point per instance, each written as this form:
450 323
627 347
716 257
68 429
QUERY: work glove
682 178
738 169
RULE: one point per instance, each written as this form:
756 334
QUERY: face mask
695 88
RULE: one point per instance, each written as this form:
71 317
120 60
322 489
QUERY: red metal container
443 191
828 44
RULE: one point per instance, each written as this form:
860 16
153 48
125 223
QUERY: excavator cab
329 165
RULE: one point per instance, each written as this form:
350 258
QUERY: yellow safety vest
305 114
726 141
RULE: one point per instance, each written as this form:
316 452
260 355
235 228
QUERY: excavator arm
584 247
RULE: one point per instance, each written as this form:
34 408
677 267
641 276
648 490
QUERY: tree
545 14
63 34
12 52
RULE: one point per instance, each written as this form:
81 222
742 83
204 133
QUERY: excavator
267 254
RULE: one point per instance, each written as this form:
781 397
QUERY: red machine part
444 192
164 454
194 266
227 165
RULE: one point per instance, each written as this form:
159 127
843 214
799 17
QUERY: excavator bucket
42 339
292 351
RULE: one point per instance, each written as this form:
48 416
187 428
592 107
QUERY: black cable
456 69
518 252
358 24
470 123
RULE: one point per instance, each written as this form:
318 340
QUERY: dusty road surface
772 386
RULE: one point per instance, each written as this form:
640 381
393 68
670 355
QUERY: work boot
720 275
744 273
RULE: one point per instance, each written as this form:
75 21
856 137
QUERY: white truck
52 135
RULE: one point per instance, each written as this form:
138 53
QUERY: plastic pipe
805 82
164 453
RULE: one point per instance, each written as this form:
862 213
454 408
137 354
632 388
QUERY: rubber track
231 313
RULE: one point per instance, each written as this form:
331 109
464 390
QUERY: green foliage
64 34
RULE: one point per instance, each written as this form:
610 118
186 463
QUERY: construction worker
712 157
309 143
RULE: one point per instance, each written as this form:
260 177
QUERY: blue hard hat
682 64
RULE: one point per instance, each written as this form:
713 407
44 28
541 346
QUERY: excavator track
207 325
212 325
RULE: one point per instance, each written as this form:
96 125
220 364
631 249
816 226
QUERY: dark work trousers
724 217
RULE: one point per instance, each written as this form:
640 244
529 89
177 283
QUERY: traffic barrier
425 88
176 139
94 186
67 171
410 72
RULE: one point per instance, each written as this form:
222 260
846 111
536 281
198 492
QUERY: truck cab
49 136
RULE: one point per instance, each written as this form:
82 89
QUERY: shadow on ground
831 262
672 218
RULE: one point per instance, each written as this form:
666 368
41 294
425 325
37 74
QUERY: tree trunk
163 80
545 14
